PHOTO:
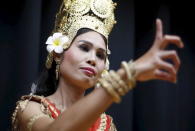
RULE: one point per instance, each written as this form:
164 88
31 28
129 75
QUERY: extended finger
170 39
159 29
172 55
161 75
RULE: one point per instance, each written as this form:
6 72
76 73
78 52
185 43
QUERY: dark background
152 106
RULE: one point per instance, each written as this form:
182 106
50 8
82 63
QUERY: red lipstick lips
89 71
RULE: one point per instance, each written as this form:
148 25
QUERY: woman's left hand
153 64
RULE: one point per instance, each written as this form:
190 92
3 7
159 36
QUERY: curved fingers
161 75
171 39
173 56
167 67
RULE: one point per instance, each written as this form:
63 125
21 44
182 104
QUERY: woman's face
84 61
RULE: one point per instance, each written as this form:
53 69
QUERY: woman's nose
92 59
91 62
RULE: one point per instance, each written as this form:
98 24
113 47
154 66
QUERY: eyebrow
91 44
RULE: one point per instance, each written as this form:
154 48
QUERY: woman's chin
87 83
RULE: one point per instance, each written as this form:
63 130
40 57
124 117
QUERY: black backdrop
152 106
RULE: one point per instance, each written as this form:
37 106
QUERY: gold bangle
130 78
49 60
131 66
124 65
114 84
121 83
110 90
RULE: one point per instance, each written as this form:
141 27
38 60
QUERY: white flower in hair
57 42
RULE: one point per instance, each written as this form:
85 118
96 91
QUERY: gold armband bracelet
129 71
108 87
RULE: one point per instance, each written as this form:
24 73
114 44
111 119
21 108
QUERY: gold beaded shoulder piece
22 104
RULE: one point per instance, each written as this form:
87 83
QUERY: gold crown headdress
73 15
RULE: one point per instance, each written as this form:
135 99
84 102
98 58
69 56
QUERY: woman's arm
79 117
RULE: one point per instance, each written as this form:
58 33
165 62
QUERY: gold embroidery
103 122
52 108
112 126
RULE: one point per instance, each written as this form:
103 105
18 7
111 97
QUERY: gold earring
49 60
57 68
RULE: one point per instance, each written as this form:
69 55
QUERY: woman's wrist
117 84
138 70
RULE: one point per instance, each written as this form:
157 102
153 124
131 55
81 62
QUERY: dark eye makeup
84 47
101 54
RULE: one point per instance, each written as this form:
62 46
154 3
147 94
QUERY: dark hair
47 83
